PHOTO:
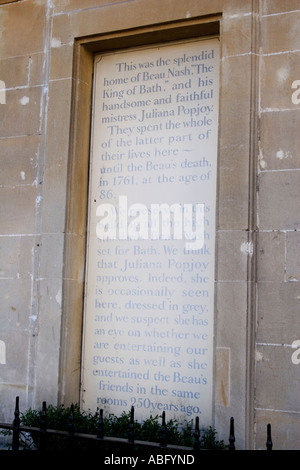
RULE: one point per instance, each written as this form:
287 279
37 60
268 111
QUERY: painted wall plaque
149 303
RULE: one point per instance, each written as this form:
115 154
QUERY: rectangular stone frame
235 224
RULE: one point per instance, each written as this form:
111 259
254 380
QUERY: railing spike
269 442
231 435
197 435
16 426
71 428
163 436
43 427
71 435
100 427
131 426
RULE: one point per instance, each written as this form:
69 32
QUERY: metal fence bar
71 429
16 427
163 436
197 435
43 428
131 427
71 435
231 435
269 443
100 428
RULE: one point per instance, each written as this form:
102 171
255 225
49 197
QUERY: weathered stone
279 200
288 40
293 257
284 429
278 72
278 312
26 103
279 150
271 256
273 362
19 209
20 160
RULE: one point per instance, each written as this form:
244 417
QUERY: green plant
57 418
210 442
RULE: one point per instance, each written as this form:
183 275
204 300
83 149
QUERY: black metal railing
72 437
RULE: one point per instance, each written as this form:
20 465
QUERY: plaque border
240 389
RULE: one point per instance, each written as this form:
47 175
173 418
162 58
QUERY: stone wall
46 60
278 220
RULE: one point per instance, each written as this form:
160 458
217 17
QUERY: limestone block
58 123
230 327
51 255
232 253
23 28
26 104
54 201
8 394
293 257
279 200
48 341
14 372
16 257
277 384
233 201
235 103
14 71
237 26
287 40
278 72
271 256
18 208
285 428
61 61
15 305
237 8
280 140
278 306
37 73
61 6
278 6
19 160
234 144
230 324
222 377
56 160
125 15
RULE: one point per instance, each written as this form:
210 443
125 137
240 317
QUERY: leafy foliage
58 418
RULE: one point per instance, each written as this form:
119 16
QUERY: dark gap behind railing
72 436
